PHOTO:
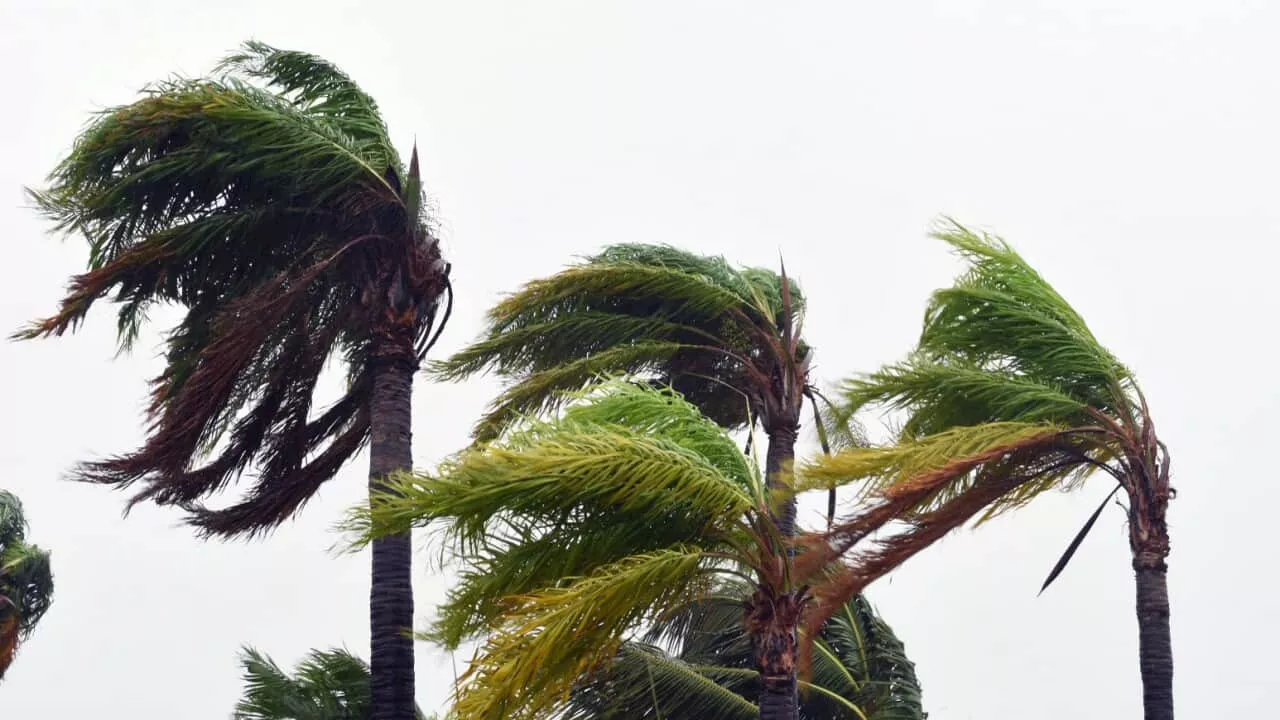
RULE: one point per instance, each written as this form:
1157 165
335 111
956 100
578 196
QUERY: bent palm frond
859 672
688 321
325 685
571 533
269 204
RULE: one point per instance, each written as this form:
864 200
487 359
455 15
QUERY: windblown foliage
268 202
326 685
860 669
721 336
571 535
1007 395
26 580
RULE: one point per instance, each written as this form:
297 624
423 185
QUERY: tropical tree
727 339
269 204
571 534
325 685
26 580
1008 395
860 670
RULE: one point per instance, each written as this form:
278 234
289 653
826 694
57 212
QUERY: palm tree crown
269 203
1007 395
26 580
727 339
571 534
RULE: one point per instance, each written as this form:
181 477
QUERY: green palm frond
1001 355
944 395
321 89
268 202
1003 315
859 672
644 682
26 580
693 322
325 685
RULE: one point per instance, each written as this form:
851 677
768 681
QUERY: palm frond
692 322
325 685
625 469
1000 477
544 391
664 467
642 681
26 580
881 467
859 672
943 395
269 204
550 638
318 88
1003 315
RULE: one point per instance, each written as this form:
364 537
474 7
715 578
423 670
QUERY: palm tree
574 532
269 203
860 669
727 339
26 580
1009 395
325 685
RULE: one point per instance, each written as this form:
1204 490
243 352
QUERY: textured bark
772 622
1155 647
777 468
391 591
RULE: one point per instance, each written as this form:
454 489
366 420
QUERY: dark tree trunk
391 592
1155 648
774 621
777 469
779 701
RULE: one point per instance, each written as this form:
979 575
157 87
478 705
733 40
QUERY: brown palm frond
999 471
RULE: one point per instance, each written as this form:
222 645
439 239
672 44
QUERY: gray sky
1129 154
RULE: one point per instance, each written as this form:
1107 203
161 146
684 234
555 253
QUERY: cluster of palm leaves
26 580
620 552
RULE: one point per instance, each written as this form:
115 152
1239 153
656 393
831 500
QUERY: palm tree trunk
777 469
776 630
1155 648
391 590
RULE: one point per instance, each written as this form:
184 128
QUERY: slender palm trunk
775 629
391 591
1155 648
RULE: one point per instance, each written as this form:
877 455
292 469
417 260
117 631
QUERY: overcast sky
1129 154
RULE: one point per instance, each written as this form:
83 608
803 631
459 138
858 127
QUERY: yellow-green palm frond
881 467
595 467
626 468
549 639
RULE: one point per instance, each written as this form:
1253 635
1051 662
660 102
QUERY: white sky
1129 154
